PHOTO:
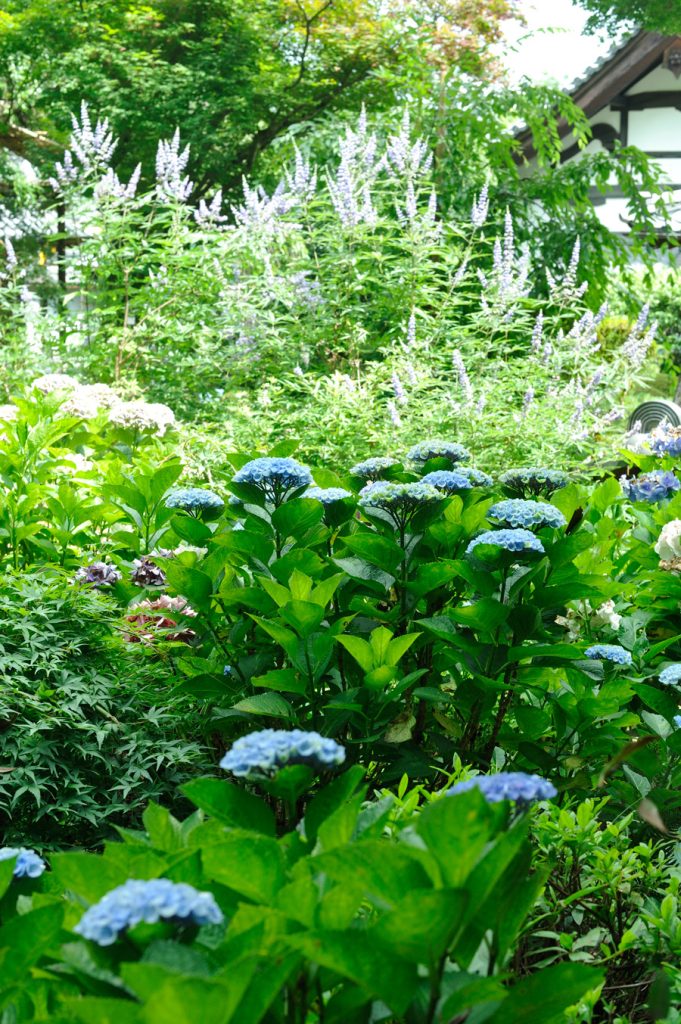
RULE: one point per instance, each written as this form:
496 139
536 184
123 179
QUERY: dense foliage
653 15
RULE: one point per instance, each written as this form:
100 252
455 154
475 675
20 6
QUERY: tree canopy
654 15
232 74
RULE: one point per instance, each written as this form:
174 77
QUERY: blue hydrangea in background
97 574
194 499
28 865
400 501
526 513
666 440
533 481
274 477
373 469
476 476
261 754
449 481
509 540
157 899
656 486
327 495
677 721
426 450
671 675
519 787
609 652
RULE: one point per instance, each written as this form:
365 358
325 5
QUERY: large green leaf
543 997
422 924
250 864
231 804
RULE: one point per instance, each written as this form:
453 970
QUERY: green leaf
360 569
231 804
359 649
375 549
295 517
25 938
542 998
86 874
331 797
421 926
250 864
281 679
94 1010
486 615
164 831
303 616
190 583
270 704
357 956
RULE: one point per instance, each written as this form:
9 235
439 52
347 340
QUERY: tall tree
232 74
654 15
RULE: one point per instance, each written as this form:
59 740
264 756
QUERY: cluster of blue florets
261 754
327 495
519 787
449 481
194 499
609 652
476 476
509 540
28 865
373 469
671 675
666 440
274 476
526 513
426 450
134 902
656 486
399 499
533 481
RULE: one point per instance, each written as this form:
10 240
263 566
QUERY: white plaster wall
656 128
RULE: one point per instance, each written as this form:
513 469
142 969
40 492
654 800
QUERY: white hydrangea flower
143 416
668 545
50 382
606 616
83 407
102 394
8 413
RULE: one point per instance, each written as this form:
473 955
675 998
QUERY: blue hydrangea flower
327 495
526 513
261 754
373 469
609 652
449 481
426 450
656 486
533 481
671 675
194 499
476 476
274 477
509 540
677 721
666 440
28 865
520 787
157 899
400 501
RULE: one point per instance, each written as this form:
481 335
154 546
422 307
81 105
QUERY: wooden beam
648 100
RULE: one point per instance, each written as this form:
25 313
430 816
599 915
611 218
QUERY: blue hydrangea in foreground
526 513
671 675
656 486
157 899
194 499
666 440
426 450
677 721
261 754
373 469
28 865
476 476
533 481
274 476
509 540
327 495
449 481
609 652
517 786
